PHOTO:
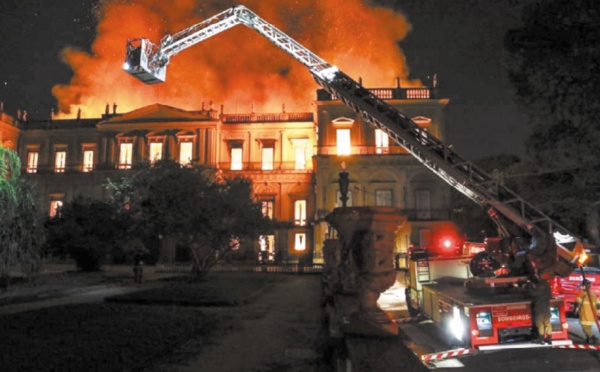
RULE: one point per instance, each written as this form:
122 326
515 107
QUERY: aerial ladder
148 62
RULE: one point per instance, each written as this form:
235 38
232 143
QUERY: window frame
33 157
125 157
266 163
151 156
237 158
300 206
55 205
387 201
343 143
60 160
186 142
87 164
382 142
300 242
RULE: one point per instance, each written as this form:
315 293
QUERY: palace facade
293 160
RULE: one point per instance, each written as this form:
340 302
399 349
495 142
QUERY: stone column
366 265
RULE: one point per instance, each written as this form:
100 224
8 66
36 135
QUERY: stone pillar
366 265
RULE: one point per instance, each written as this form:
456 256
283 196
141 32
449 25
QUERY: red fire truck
477 320
497 312
569 287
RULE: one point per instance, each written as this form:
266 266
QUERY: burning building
292 158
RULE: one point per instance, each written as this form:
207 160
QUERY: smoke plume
237 68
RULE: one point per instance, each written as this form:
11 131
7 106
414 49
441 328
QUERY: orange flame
237 68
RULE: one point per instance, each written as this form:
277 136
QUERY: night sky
460 40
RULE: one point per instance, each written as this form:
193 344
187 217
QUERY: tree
209 216
21 226
88 231
556 74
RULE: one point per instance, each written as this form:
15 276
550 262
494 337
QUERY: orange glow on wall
239 67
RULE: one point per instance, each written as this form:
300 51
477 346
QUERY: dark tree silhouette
556 73
21 222
186 205
88 231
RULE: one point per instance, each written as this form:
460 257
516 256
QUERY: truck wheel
483 263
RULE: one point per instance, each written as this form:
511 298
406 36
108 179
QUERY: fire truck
494 311
556 251
569 286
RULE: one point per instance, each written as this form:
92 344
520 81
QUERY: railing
245 268
71 169
59 124
389 93
266 118
427 214
275 166
411 214
361 150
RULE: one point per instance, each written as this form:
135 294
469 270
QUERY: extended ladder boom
150 66
148 62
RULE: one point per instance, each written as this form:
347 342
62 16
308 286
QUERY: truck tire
482 263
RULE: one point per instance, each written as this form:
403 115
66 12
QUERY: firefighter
586 311
541 311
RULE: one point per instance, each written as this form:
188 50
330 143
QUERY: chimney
114 108
79 113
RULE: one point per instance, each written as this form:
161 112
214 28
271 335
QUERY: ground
278 332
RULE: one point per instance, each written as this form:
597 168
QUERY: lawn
101 337
129 334
222 289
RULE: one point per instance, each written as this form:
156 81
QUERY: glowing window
55 206
32 161
156 149
343 141
125 155
267 208
300 146
382 141
185 153
383 198
267 248
300 242
300 158
88 160
60 159
267 158
236 158
300 212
